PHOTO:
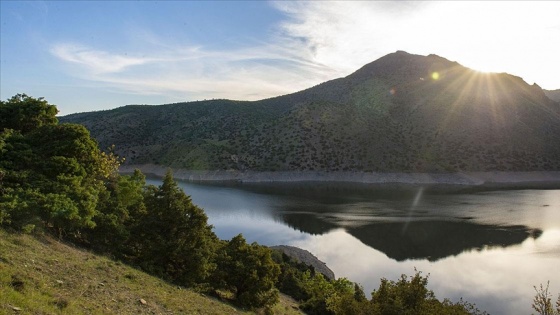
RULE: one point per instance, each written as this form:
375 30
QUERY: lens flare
435 75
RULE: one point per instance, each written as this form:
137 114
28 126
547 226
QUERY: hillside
553 94
400 113
44 276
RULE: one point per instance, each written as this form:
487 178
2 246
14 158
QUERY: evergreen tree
120 209
173 239
249 272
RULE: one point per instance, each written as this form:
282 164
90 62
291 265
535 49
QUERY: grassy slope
43 276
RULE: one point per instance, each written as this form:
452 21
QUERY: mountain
400 113
553 94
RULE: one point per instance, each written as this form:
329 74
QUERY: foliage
25 113
52 173
54 177
410 295
249 272
120 209
542 302
290 280
381 118
40 274
407 295
173 238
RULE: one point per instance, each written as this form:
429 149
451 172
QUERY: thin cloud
249 73
320 41
94 60
515 37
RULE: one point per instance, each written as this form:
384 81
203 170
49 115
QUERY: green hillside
402 112
40 275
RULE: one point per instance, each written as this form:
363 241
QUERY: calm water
490 248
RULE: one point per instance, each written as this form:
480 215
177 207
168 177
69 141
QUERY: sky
96 55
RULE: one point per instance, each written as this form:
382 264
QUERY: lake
488 247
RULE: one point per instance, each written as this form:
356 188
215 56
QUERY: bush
247 271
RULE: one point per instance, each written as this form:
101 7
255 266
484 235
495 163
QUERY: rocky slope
553 94
301 255
400 113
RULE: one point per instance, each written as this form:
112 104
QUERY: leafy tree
410 295
249 272
25 113
403 296
339 296
54 173
319 290
347 298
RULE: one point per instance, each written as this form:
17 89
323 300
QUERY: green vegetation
408 295
388 116
54 180
41 275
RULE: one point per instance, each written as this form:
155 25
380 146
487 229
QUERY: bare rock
307 258
16 309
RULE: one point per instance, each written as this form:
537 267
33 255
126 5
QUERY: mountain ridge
400 113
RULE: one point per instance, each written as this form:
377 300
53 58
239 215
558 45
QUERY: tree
249 272
51 173
403 296
25 113
173 238
542 302
410 295
119 211
347 298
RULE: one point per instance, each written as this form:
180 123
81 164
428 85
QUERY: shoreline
461 180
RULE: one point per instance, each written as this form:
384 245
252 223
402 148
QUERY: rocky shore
476 179
307 258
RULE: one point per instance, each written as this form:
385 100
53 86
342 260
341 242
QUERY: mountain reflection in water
488 247
431 240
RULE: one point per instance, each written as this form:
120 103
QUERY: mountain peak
400 113
402 64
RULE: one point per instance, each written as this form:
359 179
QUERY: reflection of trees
334 193
307 222
434 240
431 240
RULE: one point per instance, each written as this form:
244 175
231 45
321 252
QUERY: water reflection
431 240
499 280
490 248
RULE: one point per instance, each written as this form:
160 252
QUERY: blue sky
85 56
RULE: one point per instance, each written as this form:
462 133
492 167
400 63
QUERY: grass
40 275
